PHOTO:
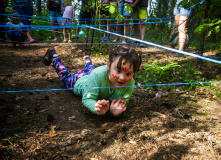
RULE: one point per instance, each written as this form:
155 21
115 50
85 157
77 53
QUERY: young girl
67 18
16 31
102 88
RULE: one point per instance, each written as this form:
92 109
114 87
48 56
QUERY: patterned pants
70 79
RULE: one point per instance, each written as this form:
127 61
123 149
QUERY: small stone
46 97
158 95
103 141
50 118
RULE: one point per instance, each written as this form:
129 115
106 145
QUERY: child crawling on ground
105 88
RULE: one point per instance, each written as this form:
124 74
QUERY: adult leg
127 27
55 30
136 28
105 27
64 34
29 13
143 29
69 34
118 29
181 22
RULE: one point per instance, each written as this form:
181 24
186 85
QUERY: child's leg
11 36
67 79
20 37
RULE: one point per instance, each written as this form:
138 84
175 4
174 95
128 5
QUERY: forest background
204 29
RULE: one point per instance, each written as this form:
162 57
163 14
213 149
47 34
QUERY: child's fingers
97 109
97 105
107 103
113 102
124 109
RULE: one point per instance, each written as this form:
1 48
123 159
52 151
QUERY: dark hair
13 11
126 55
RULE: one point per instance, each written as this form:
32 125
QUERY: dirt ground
55 125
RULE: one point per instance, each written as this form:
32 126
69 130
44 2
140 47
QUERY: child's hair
13 11
126 55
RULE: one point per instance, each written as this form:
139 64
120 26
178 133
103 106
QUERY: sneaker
31 40
55 39
114 41
136 43
69 41
176 55
142 44
49 55
64 41
87 59
103 39
21 45
13 45
123 42
107 39
76 37
171 47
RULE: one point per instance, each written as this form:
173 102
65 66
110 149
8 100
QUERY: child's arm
134 4
91 95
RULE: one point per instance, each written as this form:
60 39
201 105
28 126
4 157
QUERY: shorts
85 17
179 10
139 13
55 16
124 10
66 22
103 10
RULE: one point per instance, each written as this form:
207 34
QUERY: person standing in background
125 9
104 13
54 7
181 17
85 17
140 14
67 19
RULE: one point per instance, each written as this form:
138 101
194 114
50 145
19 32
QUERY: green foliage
214 26
168 73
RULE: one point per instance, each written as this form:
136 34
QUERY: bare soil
55 125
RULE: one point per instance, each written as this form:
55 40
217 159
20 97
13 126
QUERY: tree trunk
208 2
38 4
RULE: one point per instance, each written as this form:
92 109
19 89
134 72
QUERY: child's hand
118 107
102 106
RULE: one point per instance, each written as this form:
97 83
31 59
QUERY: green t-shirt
99 78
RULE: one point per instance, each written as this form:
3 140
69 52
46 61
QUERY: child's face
15 18
120 77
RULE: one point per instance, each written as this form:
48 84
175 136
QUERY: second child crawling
110 80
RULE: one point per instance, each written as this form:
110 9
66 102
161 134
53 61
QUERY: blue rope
149 85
